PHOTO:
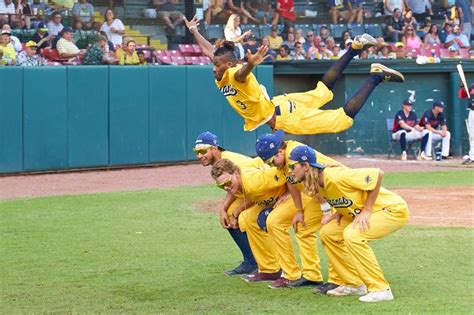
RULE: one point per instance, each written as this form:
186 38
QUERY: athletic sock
354 105
424 142
240 238
337 68
403 141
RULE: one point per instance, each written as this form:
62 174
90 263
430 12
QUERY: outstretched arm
206 47
252 61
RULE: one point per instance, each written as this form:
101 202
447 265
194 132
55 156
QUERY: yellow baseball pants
352 260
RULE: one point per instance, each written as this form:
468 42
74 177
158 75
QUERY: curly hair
310 182
223 166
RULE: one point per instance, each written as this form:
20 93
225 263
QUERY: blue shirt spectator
457 39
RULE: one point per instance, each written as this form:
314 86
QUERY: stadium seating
304 27
356 29
376 30
52 55
251 27
337 30
215 31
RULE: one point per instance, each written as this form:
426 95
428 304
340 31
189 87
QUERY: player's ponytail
226 48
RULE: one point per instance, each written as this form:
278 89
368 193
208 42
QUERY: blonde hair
231 22
223 166
310 182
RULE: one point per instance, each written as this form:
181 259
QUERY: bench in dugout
411 147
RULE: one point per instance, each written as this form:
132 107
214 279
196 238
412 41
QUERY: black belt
277 110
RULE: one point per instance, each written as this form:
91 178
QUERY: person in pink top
410 39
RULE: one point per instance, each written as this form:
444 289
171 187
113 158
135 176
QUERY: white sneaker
363 41
403 156
423 157
377 296
343 290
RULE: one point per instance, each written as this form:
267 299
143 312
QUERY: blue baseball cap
438 103
206 139
262 218
303 153
408 102
268 144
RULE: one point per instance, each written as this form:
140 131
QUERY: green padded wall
168 114
45 118
11 120
88 116
129 115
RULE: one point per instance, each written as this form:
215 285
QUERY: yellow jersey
345 189
322 159
262 185
242 160
248 99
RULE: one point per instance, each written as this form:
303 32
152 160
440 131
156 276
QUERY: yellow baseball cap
31 44
399 44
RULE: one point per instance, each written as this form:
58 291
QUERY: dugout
72 117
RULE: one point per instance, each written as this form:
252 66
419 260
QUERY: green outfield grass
157 252
429 179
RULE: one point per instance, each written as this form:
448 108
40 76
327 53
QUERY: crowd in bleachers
35 33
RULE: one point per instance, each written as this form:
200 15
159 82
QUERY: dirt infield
425 204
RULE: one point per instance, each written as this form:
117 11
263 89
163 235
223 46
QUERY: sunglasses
291 166
201 151
409 29
226 183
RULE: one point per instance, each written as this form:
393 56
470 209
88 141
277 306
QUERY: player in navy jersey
434 121
405 128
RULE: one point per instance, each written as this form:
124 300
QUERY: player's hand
258 57
443 133
298 218
326 218
225 220
234 222
418 128
362 220
193 24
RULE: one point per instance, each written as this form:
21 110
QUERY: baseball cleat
403 157
343 290
303 282
377 296
363 41
325 288
387 74
242 269
262 276
279 283
423 157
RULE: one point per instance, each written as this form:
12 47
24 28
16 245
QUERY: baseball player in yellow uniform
295 113
275 152
208 152
365 212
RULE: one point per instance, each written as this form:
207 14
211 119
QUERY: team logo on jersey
341 202
266 202
290 179
368 179
228 90
277 178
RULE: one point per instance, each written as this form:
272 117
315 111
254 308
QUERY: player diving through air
295 113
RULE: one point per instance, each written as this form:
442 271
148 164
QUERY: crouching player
365 212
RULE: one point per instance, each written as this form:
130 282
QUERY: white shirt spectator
16 43
390 5
229 35
53 28
115 38
7 8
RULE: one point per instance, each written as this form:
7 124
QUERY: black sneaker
387 74
323 289
303 282
447 157
242 269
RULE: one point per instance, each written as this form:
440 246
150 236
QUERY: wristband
325 207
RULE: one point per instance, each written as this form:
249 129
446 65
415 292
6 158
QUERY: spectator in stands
66 47
84 11
28 57
275 39
423 29
420 8
238 8
432 37
383 52
141 58
80 35
346 46
24 12
284 53
457 39
7 11
410 20
41 37
339 10
308 40
434 121
98 53
447 30
330 43
271 53
298 53
259 9
400 50
336 52
357 13
109 43
465 16
313 51
233 33
285 10
54 25
290 42
324 52
363 55
7 52
390 6
113 27
410 39
217 11
395 26
324 33
40 8
13 39
453 53
169 14
344 37
251 44
127 54
299 36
